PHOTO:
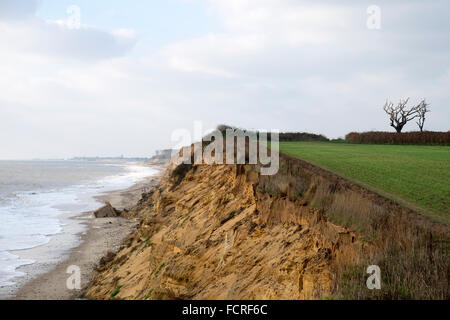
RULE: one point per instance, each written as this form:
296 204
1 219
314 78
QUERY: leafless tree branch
400 115
424 108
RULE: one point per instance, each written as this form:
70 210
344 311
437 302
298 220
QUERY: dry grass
411 251
413 256
419 270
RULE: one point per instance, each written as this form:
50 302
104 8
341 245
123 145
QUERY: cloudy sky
126 74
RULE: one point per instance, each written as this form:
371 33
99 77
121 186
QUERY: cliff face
225 232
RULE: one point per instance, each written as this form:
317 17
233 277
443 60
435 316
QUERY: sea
39 200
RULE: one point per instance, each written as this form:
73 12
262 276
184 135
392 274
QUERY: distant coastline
121 158
102 235
75 225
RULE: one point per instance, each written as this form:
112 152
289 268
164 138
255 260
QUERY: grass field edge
433 216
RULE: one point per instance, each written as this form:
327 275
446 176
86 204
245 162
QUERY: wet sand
101 235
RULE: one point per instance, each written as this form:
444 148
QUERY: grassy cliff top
415 176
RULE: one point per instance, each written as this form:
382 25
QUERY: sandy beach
101 235
126 199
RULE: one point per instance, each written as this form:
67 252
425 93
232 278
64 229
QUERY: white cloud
318 62
55 39
125 33
291 65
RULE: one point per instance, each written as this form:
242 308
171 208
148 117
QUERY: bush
413 137
283 136
301 136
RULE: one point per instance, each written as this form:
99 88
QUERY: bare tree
399 115
424 108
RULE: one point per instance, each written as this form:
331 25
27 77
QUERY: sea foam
30 219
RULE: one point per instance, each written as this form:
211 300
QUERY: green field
414 176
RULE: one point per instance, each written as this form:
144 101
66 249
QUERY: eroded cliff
226 232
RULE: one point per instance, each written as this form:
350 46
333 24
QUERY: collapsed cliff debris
107 211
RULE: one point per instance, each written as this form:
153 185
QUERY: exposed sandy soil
227 232
208 236
102 235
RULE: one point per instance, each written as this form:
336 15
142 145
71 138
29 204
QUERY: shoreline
46 280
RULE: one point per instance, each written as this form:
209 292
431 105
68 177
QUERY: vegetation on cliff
225 232
415 176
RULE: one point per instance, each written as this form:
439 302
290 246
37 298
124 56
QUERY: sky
109 77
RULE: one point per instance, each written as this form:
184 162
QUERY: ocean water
37 199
